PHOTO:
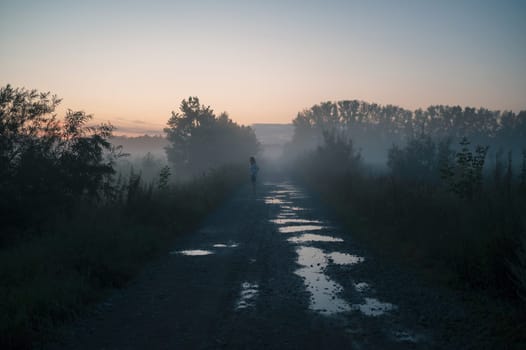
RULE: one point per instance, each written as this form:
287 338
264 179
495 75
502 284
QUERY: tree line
374 127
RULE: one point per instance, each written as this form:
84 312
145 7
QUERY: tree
199 140
417 161
374 128
45 163
464 175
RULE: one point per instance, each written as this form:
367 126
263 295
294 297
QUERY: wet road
263 272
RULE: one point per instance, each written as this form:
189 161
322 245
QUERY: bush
47 165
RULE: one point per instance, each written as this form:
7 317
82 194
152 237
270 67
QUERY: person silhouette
253 168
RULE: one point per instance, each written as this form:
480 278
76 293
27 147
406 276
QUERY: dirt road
268 272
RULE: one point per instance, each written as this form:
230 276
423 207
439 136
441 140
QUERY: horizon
131 63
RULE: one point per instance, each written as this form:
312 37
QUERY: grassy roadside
49 279
447 243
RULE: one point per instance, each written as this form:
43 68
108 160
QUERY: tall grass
50 278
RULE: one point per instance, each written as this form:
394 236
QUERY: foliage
199 140
164 176
464 176
46 164
375 128
336 158
418 160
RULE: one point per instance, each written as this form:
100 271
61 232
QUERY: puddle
344 258
373 307
361 287
324 292
294 221
287 186
247 296
310 256
292 208
195 252
286 215
285 192
274 200
309 237
300 228
220 245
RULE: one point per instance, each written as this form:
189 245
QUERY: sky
133 62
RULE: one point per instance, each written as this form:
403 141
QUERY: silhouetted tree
374 128
418 160
464 176
46 163
164 177
200 141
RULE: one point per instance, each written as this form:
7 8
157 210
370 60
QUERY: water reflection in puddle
287 187
285 192
309 256
373 307
292 208
194 252
309 237
344 258
324 291
294 221
274 200
300 228
247 296
231 245
313 262
286 215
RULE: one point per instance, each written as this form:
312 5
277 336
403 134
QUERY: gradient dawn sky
132 62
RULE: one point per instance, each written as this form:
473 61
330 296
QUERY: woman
253 168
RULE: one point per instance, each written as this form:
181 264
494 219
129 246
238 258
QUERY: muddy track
269 272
